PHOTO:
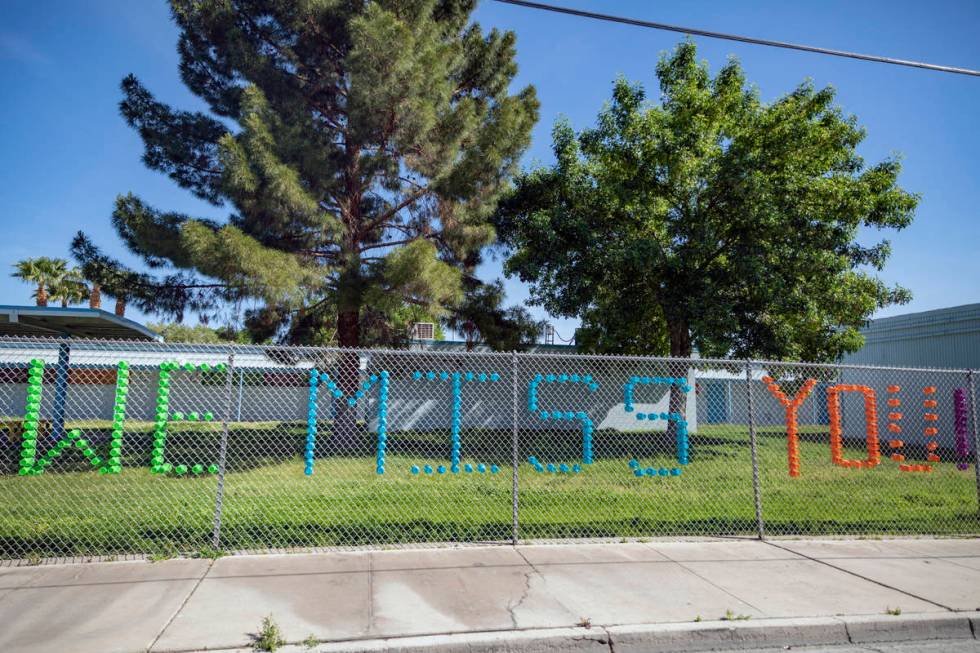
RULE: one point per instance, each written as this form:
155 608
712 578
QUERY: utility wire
742 39
558 335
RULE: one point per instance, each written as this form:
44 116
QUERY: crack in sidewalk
544 582
512 606
181 607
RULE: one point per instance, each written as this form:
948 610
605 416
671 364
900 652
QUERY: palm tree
95 295
70 289
121 299
43 271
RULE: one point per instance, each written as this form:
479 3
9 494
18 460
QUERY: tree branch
381 219
391 243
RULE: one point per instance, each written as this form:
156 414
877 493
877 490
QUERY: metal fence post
973 431
222 455
514 450
60 391
756 489
241 384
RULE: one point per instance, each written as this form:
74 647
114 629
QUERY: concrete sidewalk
641 596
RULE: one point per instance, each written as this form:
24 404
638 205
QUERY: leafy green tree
42 271
482 319
197 334
710 220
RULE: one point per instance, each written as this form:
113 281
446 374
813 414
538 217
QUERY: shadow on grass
253 536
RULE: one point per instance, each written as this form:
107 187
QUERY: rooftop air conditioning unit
424 331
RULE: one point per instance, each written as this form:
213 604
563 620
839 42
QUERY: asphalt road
941 646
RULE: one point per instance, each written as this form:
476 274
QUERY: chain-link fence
114 448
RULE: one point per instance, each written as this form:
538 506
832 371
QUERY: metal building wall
943 338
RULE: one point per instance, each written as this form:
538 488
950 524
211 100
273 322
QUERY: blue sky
65 153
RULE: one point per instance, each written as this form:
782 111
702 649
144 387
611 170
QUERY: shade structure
57 322
51 321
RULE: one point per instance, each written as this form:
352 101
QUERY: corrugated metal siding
947 337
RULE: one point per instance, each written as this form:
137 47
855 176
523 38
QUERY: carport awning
51 321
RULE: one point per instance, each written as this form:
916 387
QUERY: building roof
460 345
52 321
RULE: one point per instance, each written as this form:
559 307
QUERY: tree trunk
680 347
346 435
95 296
42 295
121 306
349 328
346 438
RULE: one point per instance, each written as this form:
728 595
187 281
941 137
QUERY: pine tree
170 295
371 142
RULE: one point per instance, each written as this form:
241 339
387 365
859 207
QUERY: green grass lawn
270 503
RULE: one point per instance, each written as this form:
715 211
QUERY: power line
567 341
742 39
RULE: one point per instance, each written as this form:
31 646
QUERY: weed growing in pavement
269 637
731 616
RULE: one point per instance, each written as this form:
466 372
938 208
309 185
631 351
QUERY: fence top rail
313 354
852 366
14 342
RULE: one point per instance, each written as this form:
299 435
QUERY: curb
674 637
920 627
728 635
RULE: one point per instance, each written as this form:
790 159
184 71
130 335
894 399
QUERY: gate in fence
123 447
